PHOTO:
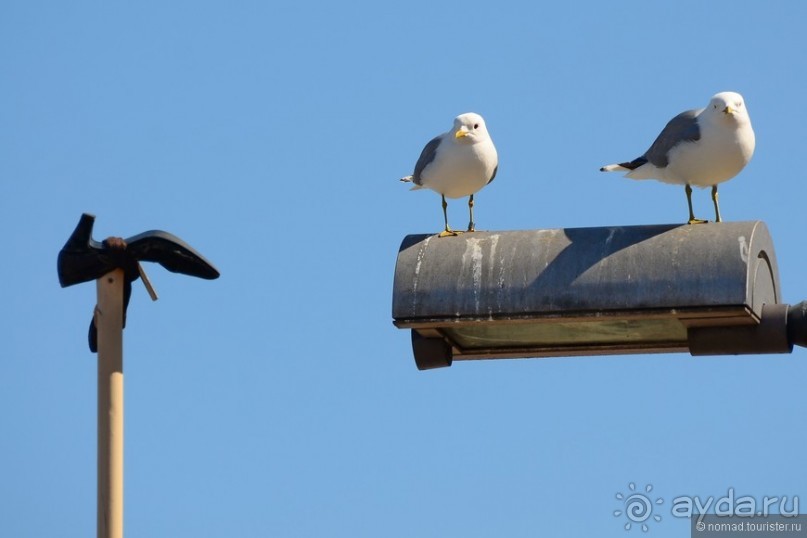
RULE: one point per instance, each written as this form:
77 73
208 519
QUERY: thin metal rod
146 282
109 321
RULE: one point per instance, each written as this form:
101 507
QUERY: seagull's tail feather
411 179
625 167
614 168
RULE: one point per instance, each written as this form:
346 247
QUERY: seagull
701 147
457 163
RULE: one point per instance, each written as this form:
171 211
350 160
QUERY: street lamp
704 289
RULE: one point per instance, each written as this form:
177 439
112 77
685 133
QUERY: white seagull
702 147
457 163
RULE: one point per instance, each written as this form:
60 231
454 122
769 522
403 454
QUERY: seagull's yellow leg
471 225
692 219
717 206
448 231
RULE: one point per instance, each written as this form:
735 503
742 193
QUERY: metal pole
109 321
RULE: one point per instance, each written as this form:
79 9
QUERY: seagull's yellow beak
461 133
729 110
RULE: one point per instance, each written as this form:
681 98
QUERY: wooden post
109 321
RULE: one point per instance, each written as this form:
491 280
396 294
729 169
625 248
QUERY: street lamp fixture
706 289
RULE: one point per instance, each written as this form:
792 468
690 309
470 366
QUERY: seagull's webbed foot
448 232
693 220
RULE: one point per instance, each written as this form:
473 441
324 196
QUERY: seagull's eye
476 126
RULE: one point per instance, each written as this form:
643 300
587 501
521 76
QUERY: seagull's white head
469 128
728 106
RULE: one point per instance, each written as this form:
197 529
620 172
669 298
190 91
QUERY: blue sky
280 400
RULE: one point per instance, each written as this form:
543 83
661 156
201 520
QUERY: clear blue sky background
280 400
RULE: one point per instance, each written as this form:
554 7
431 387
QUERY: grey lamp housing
706 289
